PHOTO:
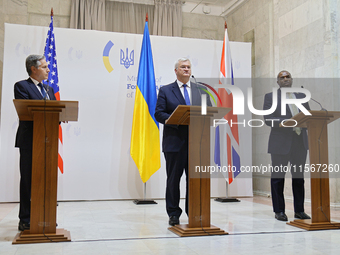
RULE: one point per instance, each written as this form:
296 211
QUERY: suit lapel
34 89
49 91
288 112
50 94
177 93
195 95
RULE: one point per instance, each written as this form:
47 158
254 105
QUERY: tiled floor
121 227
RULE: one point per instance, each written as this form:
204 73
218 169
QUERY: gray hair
33 60
180 61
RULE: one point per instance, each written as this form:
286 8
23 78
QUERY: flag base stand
144 202
226 199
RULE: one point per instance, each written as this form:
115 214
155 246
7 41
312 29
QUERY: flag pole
226 199
144 201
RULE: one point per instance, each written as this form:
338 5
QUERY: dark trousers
25 184
176 163
297 158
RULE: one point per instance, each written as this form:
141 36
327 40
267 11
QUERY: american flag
227 151
53 81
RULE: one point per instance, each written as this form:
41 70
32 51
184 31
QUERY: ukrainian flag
145 144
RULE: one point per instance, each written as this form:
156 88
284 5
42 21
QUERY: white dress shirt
181 88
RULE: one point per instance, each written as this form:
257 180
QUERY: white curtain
128 17
168 18
88 14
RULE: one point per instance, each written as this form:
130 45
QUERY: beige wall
301 36
203 26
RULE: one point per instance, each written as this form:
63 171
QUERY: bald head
284 79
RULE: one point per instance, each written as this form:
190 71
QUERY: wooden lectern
316 125
46 115
199 155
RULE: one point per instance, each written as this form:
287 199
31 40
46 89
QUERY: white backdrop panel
97 160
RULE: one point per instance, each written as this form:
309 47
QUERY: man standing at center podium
175 137
32 88
285 145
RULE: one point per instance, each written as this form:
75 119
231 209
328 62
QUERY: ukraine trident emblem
126 61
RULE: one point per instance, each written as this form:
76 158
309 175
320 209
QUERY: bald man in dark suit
286 145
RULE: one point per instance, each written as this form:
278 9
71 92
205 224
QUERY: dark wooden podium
316 125
46 115
199 155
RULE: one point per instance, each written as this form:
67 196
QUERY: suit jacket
280 138
169 97
26 89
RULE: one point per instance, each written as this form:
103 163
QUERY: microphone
192 76
322 109
47 90
197 84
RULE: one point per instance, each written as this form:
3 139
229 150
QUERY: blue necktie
186 95
42 90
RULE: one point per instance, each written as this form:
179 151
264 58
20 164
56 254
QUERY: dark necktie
42 91
186 95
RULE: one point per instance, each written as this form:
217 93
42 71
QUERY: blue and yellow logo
106 53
